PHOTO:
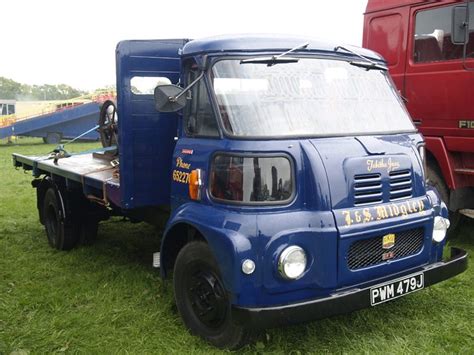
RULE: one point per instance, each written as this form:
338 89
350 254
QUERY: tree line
12 90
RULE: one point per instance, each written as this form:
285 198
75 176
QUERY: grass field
106 298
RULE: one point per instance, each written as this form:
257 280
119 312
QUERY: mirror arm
186 89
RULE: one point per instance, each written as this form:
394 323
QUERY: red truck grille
369 252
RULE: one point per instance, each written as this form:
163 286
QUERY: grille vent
369 252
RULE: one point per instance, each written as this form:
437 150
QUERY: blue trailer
67 123
288 169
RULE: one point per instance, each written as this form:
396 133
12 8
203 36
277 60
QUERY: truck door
199 136
437 85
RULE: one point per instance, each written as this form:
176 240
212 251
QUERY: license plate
397 288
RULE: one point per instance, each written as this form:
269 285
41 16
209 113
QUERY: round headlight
292 262
440 228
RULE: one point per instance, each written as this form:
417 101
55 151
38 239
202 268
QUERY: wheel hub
208 298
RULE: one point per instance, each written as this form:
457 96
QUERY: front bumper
342 302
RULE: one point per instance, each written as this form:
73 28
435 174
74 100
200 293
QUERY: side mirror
168 98
459 25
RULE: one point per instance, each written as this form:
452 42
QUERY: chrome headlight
292 262
440 228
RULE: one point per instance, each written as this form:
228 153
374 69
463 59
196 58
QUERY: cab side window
199 117
433 36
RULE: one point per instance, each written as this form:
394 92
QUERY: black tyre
62 233
436 180
202 300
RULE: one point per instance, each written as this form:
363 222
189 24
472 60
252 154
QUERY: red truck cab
436 77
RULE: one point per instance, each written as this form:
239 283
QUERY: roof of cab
381 5
265 43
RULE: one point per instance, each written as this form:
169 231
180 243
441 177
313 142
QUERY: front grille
400 185
367 189
369 252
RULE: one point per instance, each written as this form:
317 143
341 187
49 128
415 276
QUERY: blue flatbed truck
288 169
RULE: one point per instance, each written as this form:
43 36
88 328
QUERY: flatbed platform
97 176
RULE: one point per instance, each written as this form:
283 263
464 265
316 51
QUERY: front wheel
202 300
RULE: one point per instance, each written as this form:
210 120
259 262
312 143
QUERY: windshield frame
330 56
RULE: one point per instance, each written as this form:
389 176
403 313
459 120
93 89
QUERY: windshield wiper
368 66
367 63
276 59
269 61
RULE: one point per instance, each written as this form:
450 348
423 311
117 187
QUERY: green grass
106 298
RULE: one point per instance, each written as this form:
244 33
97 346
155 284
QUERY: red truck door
439 90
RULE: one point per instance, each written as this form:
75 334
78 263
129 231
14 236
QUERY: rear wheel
202 300
436 180
62 233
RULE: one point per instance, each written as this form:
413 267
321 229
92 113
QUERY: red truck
429 49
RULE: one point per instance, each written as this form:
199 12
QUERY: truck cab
434 72
291 172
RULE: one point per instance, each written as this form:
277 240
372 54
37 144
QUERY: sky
54 41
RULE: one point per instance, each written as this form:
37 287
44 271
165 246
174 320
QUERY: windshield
311 97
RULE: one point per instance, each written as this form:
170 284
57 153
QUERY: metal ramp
65 123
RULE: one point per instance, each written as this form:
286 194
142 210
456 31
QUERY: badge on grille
388 255
388 241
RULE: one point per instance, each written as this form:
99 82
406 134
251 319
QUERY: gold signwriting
181 176
381 212
181 164
387 164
